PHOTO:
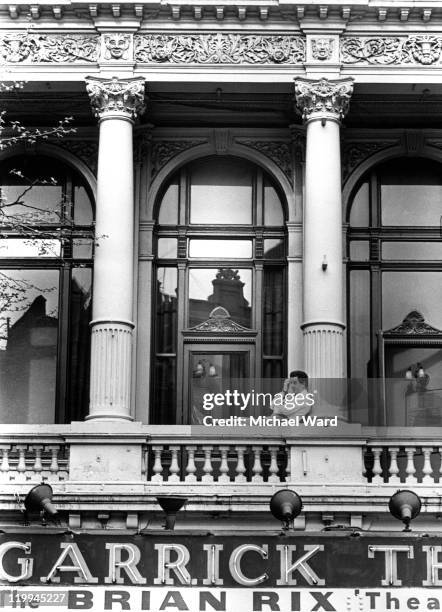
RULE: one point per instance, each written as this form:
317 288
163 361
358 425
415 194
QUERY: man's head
298 381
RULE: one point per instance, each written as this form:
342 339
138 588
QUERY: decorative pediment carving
219 321
414 325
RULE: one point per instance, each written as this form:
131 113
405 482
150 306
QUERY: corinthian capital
124 97
323 99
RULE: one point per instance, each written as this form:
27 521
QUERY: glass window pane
273 212
359 344
164 406
411 192
412 250
403 292
359 215
28 345
273 248
359 250
37 204
231 289
273 313
168 214
82 207
29 247
82 248
227 249
79 344
166 305
167 248
221 192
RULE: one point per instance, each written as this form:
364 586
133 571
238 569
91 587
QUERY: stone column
116 103
323 104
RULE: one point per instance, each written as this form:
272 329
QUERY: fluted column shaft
116 103
323 103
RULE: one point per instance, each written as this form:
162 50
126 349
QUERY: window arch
395 269
220 282
46 250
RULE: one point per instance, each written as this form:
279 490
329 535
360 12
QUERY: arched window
46 249
220 303
395 291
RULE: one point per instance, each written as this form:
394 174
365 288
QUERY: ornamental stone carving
219 49
323 98
86 150
322 48
424 49
162 152
18 48
117 46
278 152
414 324
355 153
122 96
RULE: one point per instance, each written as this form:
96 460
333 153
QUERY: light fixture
405 505
417 377
285 506
39 499
171 504
324 263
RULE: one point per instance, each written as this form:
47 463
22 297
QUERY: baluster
273 467
257 467
377 468
440 467
157 466
224 466
190 467
144 459
174 465
21 465
54 467
37 467
288 450
5 448
427 469
240 467
207 467
394 468
410 469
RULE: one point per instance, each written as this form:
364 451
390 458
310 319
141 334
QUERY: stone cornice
323 98
114 96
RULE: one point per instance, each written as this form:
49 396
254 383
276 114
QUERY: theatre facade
243 190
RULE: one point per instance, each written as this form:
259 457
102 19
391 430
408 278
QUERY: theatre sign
205 572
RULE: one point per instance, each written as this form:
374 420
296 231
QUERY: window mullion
63 342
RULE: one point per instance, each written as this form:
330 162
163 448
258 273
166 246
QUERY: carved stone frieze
124 96
322 48
86 150
219 321
414 324
277 151
162 152
219 49
355 153
117 46
28 48
324 97
424 49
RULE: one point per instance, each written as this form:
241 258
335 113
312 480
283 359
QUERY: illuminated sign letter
129 566
434 566
78 565
301 565
178 566
235 564
391 578
25 564
213 551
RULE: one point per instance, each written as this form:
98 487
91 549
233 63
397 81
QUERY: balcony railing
32 459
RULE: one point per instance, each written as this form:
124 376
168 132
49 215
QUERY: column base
111 355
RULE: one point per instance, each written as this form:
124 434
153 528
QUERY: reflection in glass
227 249
359 334
28 345
273 212
273 313
82 248
29 247
167 248
168 214
359 215
403 292
221 192
411 192
224 287
82 207
166 305
79 344
164 406
273 248
412 250
41 204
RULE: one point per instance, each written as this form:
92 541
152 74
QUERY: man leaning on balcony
293 400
